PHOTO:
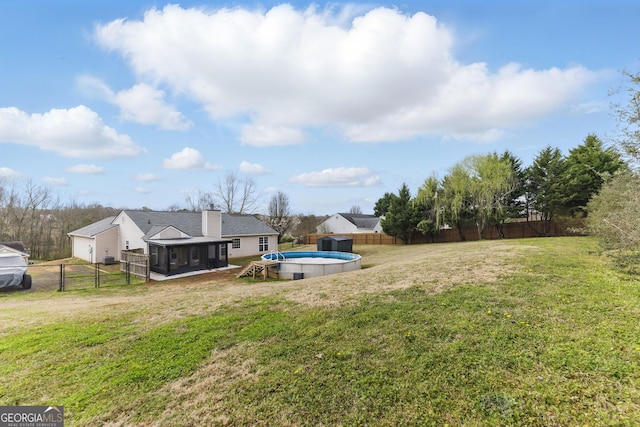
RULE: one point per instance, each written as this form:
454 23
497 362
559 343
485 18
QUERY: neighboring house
346 223
176 242
9 248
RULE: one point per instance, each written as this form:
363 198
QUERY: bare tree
355 210
280 218
200 201
237 195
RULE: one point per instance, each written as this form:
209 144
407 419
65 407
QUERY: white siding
107 240
338 224
129 232
249 246
80 247
169 233
94 249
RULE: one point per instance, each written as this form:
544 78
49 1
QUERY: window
235 243
263 244
154 255
195 256
223 250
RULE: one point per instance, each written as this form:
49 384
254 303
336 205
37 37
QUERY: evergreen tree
402 217
588 166
545 186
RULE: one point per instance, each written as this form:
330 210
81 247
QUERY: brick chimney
212 223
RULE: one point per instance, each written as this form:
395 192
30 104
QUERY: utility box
298 276
109 260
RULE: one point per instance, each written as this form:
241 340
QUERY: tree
429 199
545 191
280 218
382 205
200 201
402 217
455 199
355 210
613 214
629 118
237 195
492 182
588 166
512 203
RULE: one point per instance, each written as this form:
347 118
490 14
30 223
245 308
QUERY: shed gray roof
95 228
336 238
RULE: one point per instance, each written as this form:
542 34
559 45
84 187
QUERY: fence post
61 287
128 273
97 275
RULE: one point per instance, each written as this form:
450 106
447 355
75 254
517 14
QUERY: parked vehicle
13 271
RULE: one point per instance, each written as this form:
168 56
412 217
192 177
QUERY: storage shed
335 243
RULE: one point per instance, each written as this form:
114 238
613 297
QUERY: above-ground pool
300 265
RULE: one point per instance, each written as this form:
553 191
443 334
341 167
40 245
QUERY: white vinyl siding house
174 240
346 223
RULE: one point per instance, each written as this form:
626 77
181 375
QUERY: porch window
263 244
154 255
195 256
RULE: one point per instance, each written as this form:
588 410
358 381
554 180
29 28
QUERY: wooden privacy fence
511 230
135 263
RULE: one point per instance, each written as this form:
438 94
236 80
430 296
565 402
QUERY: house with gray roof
347 223
176 242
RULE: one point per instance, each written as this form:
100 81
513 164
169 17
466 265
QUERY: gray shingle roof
244 225
191 223
361 220
95 228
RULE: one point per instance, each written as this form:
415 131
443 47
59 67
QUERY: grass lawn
532 332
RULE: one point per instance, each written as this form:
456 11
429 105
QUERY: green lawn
555 340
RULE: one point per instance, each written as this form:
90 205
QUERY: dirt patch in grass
198 399
435 267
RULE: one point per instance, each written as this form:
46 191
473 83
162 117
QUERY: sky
138 103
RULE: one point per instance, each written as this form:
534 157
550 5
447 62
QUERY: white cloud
142 190
145 105
379 76
188 158
8 173
265 135
147 177
75 132
86 169
592 107
337 177
141 104
56 182
253 168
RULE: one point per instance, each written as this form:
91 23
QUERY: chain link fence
49 277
